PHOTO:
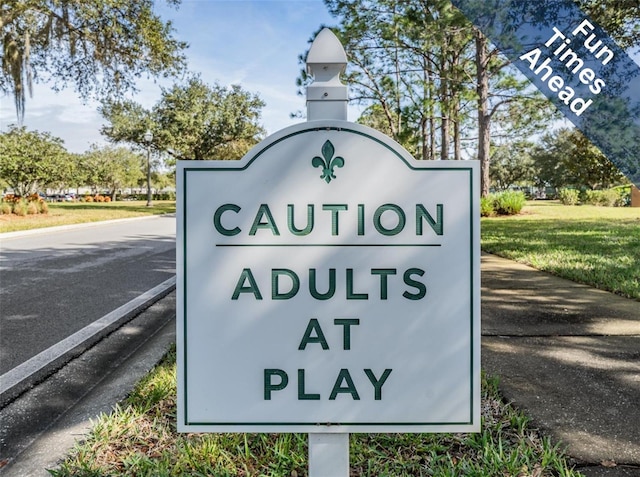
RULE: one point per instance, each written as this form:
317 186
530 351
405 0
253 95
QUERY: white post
327 99
329 455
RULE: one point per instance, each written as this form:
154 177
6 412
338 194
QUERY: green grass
140 439
68 213
598 246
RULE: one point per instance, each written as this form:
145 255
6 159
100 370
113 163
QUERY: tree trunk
432 137
484 118
444 137
445 108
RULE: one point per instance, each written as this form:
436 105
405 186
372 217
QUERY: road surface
55 283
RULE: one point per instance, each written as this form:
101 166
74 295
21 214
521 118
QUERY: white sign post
328 283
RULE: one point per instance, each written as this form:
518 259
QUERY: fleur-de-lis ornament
328 163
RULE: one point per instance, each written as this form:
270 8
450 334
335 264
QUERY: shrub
5 208
32 208
509 202
486 207
20 207
43 207
569 196
605 198
11 198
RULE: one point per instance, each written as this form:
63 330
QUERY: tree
191 121
431 80
619 18
407 64
112 168
31 159
511 165
98 46
565 158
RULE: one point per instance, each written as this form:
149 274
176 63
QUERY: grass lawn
598 246
140 438
67 213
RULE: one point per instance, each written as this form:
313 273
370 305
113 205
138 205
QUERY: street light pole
148 137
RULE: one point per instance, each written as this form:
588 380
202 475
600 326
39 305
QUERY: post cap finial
326 96
326 49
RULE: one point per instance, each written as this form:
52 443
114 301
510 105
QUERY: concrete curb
26 375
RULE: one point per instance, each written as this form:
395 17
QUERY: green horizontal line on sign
328 245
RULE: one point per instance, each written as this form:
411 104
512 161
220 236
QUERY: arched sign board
328 282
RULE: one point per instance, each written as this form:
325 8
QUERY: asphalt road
53 284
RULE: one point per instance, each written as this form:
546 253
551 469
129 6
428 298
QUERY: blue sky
253 43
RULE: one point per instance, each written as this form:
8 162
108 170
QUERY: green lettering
384 273
269 386
360 219
263 211
346 323
276 294
246 275
313 326
313 288
292 228
217 222
302 395
377 383
350 388
334 208
422 213
350 294
377 219
422 288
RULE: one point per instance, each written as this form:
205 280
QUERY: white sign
328 282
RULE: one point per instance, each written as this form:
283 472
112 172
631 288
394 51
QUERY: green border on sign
312 129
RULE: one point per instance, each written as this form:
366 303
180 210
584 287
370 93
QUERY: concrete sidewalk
568 355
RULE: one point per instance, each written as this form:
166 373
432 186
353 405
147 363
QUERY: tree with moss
100 47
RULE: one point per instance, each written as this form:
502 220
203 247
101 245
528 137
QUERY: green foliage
502 203
30 160
112 168
20 208
191 121
486 206
616 197
511 165
605 198
509 202
565 158
569 196
619 18
99 46
431 81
